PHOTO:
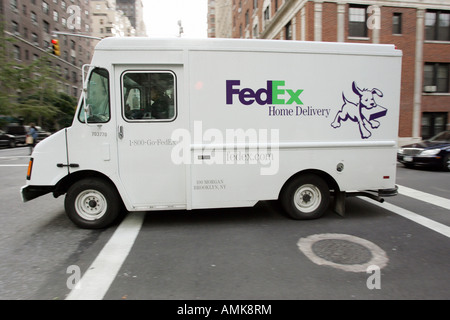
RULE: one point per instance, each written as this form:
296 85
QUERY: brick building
32 22
420 28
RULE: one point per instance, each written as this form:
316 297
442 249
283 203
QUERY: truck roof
243 45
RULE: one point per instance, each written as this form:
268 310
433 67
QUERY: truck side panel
319 111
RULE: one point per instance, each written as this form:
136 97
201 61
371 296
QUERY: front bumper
419 161
32 192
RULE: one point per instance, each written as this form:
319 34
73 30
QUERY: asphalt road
241 254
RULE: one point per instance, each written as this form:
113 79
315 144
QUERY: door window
97 98
148 96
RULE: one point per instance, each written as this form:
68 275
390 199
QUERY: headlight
400 150
430 152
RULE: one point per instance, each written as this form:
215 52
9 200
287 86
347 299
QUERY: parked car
434 152
7 140
42 134
20 133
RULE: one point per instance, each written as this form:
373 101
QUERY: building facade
134 11
32 23
420 28
222 18
212 4
108 21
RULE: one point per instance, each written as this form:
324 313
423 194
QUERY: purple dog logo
364 112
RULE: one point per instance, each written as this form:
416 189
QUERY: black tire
92 203
305 197
446 163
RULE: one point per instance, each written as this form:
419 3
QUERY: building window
437 25
436 77
247 18
45 8
397 23
46 26
34 38
357 18
288 30
267 14
13 4
33 17
15 27
255 31
16 53
433 123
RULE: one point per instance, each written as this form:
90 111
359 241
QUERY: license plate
407 158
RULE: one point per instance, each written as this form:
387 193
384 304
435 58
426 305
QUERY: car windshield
442 137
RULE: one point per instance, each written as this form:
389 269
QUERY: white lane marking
98 278
431 224
423 196
13 165
14 157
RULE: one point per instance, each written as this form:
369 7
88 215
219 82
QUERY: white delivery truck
166 124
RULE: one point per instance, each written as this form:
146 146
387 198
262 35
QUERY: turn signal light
30 167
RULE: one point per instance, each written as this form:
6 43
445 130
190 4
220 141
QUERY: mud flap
339 203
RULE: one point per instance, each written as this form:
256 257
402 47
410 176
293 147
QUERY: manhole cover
342 251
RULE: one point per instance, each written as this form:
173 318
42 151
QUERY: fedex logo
273 93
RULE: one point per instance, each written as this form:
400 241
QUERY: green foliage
29 91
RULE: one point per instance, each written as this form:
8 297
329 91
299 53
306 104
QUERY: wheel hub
307 198
91 205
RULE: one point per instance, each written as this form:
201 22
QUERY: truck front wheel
92 203
305 197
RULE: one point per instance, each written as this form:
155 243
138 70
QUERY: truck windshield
97 98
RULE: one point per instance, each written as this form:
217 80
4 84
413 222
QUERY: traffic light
55 45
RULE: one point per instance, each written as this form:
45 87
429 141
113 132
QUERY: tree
7 70
36 85
30 91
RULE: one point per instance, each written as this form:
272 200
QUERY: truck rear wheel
305 197
92 203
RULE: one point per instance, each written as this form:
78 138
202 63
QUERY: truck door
149 99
